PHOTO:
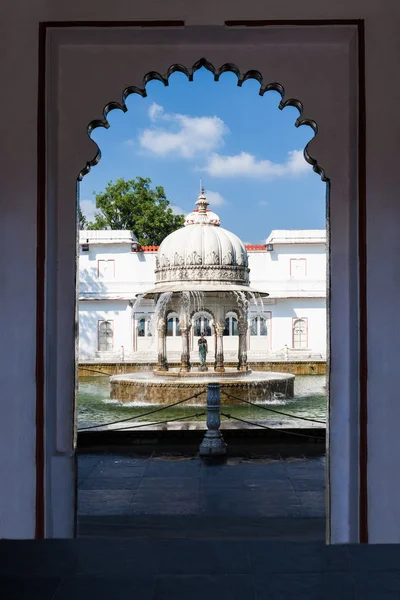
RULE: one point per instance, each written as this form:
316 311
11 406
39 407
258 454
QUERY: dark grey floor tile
312 498
113 558
84 468
88 460
306 471
174 505
169 483
312 512
377 586
172 470
28 588
193 526
264 473
247 502
374 557
120 472
246 483
110 483
125 460
234 587
105 502
193 557
40 558
313 484
311 586
100 588
175 460
283 557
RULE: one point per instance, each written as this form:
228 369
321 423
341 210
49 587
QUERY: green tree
83 224
136 206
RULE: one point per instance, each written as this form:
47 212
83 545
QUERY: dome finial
202 202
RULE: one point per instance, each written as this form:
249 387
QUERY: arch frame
328 94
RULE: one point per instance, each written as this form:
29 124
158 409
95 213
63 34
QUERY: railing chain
150 412
278 412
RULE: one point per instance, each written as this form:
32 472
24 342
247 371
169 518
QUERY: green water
95 406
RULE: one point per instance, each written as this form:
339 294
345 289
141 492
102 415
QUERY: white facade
289 324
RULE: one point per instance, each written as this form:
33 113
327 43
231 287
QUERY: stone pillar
162 364
242 351
185 354
219 354
213 443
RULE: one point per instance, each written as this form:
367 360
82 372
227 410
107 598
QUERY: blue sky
247 152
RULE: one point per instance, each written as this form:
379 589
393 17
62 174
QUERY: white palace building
114 270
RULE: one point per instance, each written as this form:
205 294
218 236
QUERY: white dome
196 217
202 252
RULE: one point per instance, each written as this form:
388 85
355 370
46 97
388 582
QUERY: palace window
202 325
258 326
106 269
143 328
106 336
300 333
298 268
231 326
173 329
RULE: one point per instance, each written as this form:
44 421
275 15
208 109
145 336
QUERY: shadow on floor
168 497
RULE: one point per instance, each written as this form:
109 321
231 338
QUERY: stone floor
158 528
168 497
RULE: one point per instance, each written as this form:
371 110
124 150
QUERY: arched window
202 325
173 329
300 333
106 336
143 327
258 326
231 326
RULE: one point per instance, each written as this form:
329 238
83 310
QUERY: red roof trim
150 248
255 246
260 247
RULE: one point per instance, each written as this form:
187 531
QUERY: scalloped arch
227 67
203 312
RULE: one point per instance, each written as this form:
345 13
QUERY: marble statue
203 349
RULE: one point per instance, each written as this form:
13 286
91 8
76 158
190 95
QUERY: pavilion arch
201 314
205 312
318 65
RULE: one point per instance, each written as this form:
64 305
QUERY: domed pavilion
202 266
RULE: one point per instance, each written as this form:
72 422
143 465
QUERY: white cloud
297 163
215 198
181 135
88 208
247 165
155 111
263 203
177 210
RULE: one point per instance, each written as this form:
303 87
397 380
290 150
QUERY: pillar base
219 369
243 368
213 444
184 369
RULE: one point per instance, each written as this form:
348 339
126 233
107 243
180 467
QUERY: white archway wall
19 38
282 56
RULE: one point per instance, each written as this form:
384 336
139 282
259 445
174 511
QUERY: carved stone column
185 354
162 364
219 354
213 443
242 350
185 328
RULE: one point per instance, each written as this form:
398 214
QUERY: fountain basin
166 389
195 372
